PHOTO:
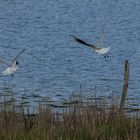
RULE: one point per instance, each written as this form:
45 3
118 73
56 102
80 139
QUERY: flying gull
100 50
12 67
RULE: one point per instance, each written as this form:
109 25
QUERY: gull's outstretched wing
84 43
17 56
102 37
5 63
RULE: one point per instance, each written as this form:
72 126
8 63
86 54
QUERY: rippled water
53 63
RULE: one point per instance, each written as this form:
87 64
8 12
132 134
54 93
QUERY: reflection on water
56 65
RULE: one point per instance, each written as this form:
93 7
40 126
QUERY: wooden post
125 85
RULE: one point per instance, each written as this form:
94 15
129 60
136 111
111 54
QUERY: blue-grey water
54 64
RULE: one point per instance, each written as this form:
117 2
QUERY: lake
54 65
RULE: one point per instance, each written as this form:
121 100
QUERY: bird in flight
12 67
100 50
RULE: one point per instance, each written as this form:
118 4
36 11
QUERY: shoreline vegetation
78 120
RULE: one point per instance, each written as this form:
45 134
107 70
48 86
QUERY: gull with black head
13 66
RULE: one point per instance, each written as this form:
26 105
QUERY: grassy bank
77 122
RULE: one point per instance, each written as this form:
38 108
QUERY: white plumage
102 50
99 49
11 68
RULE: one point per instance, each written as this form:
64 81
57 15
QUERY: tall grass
77 122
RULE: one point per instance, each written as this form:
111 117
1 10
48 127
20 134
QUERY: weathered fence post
125 85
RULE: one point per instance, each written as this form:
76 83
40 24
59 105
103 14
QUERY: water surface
53 63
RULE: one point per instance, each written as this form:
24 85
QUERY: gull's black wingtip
23 49
73 36
76 39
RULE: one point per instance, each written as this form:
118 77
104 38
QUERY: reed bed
78 121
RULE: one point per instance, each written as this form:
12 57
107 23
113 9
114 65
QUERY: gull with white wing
11 68
100 50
